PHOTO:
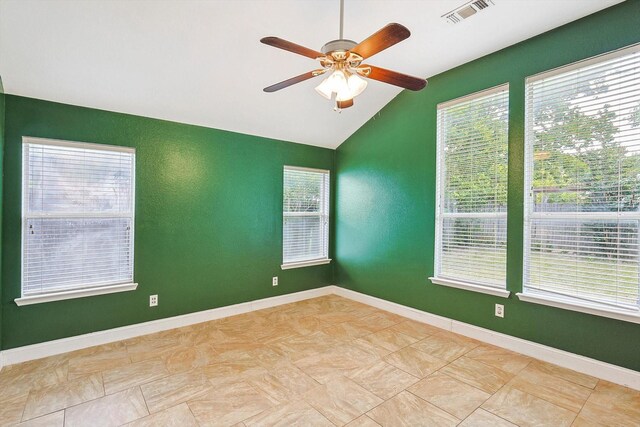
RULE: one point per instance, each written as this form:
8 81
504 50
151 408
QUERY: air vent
453 18
467 10
480 4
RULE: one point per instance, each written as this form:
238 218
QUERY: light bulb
324 88
356 85
344 94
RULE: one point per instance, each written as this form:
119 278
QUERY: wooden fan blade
382 39
292 47
294 80
392 77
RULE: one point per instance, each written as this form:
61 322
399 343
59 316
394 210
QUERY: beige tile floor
321 362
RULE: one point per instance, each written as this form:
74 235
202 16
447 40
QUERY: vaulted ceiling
200 62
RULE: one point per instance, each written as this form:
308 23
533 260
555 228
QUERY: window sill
582 307
309 263
502 293
80 293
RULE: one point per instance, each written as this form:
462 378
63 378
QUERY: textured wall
208 219
1 174
385 196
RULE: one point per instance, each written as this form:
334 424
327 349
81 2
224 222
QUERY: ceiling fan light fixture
336 83
356 85
344 96
324 88
341 105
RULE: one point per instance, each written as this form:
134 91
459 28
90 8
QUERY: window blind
582 177
305 215
78 203
471 186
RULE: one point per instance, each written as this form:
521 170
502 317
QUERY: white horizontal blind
582 177
305 215
472 160
78 203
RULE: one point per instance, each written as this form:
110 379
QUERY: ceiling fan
343 58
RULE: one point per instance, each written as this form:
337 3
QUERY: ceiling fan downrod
340 44
341 18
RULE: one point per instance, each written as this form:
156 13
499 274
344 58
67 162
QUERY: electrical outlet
153 300
274 281
499 310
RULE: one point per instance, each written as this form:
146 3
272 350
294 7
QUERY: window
77 228
471 216
305 217
582 176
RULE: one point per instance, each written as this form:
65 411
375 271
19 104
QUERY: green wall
208 219
208 208
385 196
1 173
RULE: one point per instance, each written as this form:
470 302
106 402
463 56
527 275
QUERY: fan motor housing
339 45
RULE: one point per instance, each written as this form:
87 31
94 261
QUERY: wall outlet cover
499 310
153 300
274 281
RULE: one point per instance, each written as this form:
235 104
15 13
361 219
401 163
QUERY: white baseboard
615 374
402 310
596 368
64 345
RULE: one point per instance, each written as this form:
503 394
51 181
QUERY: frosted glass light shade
356 85
339 82
324 88
335 83
345 88
345 96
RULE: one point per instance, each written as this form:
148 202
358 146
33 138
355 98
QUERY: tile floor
320 362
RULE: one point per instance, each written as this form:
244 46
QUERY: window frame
324 216
578 304
437 278
80 292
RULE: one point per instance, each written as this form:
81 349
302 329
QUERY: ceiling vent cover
466 10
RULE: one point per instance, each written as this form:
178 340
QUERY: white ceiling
201 62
